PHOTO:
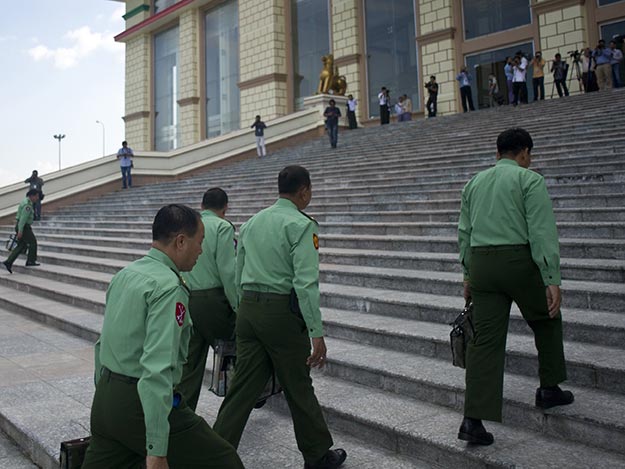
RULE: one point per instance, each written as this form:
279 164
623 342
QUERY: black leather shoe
331 460
32 264
473 431
8 267
546 398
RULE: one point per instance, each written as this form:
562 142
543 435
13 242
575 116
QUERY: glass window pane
483 17
608 2
391 51
483 64
222 69
160 5
166 126
311 40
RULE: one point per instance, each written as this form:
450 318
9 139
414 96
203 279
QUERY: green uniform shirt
216 265
278 251
507 205
146 335
25 214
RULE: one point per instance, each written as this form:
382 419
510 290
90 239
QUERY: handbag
73 453
224 361
462 332
11 242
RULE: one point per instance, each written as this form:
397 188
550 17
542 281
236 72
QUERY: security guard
213 297
509 251
26 237
278 283
136 416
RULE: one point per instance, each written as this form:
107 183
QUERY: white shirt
382 98
520 71
351 104
125 157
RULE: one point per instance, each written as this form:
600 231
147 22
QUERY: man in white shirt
385 112
615 62
351 112
519 87
124 155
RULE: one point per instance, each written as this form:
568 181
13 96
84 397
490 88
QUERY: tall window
222 69
483 17
160 5
615 31
166 126
310 25
481 65
608 2
391 50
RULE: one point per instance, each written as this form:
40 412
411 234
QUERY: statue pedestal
322 101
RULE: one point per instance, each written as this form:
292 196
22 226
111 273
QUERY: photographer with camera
588 71
432 88
559 69
519 86
538 81
603 56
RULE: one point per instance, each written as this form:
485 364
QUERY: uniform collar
209 213
282 202
28 201
507 161
162 258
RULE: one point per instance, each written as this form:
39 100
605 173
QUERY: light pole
59 137
103 137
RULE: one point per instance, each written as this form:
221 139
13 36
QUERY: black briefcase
11 242
462 332
73 453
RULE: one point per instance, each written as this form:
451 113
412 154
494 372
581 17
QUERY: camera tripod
578 76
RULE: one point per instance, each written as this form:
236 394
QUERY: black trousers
560 86
351 119
467 98
431 105
385 114
28 244
539 85
520 92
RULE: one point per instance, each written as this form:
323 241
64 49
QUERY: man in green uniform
509 251
278 315
136 416
25 236
213 297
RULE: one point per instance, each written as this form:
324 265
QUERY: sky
60 72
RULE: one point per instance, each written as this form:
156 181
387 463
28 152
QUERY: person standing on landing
259 132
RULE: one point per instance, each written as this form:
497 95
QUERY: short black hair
558 54
331 102
513 141
433 77
174 219
124 142
293 178
258 117
215 198
32 192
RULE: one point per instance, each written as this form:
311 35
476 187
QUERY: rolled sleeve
306 278
158 362
542 231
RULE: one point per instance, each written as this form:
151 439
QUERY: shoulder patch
316 241
27 208
309 217
180 313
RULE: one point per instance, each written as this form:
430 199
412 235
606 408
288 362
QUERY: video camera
576 55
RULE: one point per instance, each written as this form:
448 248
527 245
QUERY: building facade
198 69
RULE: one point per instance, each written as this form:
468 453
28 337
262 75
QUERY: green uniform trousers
270 336
213 318
118 433
27 243
498 276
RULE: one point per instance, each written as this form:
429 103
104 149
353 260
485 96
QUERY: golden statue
329 78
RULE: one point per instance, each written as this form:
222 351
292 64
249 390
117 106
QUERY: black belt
207 292
260 296
501 247
106 373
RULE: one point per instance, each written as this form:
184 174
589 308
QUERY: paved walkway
46 388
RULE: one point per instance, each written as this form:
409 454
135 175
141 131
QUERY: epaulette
309 217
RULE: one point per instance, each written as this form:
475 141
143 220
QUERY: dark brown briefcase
73 453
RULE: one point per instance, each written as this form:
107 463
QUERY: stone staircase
387 201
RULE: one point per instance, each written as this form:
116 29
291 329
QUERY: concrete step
438 382
576 294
